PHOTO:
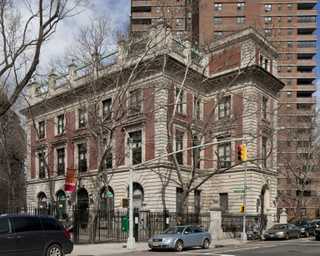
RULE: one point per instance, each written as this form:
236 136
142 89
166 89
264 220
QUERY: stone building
166 98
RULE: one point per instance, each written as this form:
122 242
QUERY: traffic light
242 208
124 202
243 153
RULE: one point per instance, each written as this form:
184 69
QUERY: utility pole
131 244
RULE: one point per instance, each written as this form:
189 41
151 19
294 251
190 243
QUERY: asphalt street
302 247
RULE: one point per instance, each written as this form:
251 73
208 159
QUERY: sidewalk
120 248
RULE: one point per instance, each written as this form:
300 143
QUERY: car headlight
302 229
280 233
166 240
150 240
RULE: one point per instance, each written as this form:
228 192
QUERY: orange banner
70 179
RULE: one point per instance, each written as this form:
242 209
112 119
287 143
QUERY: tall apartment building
289 25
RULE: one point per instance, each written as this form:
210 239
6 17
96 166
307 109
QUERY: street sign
242 197
238 191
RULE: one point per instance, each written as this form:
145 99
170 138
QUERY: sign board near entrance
238 191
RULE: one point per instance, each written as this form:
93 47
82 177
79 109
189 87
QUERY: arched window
61 205
42 203
104 209
138 196
83 207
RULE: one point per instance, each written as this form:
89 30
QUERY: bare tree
22 38
13 152
298 151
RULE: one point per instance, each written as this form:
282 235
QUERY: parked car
307 227
180 237
26 235
317 230
282 231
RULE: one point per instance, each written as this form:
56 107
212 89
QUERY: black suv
31 235
307 227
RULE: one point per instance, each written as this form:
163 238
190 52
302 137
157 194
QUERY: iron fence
112 227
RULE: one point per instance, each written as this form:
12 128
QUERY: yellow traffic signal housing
124 202
243 153
242 208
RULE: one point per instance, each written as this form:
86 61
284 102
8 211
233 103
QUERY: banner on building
70 179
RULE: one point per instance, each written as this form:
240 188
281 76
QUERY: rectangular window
217 34
42 167
224 202
158 9
179 22
61 125
108 160
264 152
264 108
137 146
217 20
224 154
179 33
267 8
289 43
289 7
107 108
279 19
61 161
267 32
288 192
218 6
179 101
267 20
42 130
82 159
179 146
179 201
196 108
289 19
288 94
168 8
303 212
289 31
240 6
279 7
82 118
225 107
289 81
289 56
240 20
289 69
135 101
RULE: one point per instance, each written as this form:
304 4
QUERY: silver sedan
282 231
180 237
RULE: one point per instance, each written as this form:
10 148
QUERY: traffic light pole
131 240
244 234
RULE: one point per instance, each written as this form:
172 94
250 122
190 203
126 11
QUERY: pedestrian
255 227
179 222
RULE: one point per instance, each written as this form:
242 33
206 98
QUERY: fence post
144 220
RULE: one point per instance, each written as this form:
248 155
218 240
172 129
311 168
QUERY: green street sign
238 191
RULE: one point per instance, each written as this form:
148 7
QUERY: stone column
283 217
215 221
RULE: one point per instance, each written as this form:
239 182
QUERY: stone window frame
60 144
58 125
223 102
40 149
77 141
42 129
197 111
102 112
135 102
265 108
218 6
181 106
180 130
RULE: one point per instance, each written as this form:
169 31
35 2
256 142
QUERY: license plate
155 244
271 235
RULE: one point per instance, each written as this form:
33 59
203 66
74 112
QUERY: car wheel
318 238
178 246
286 236
206 244
55 250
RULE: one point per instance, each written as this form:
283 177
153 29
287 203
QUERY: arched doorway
138 196
61 205
42 203
104 209
83 207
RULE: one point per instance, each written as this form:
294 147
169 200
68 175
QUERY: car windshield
174 230
279 226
